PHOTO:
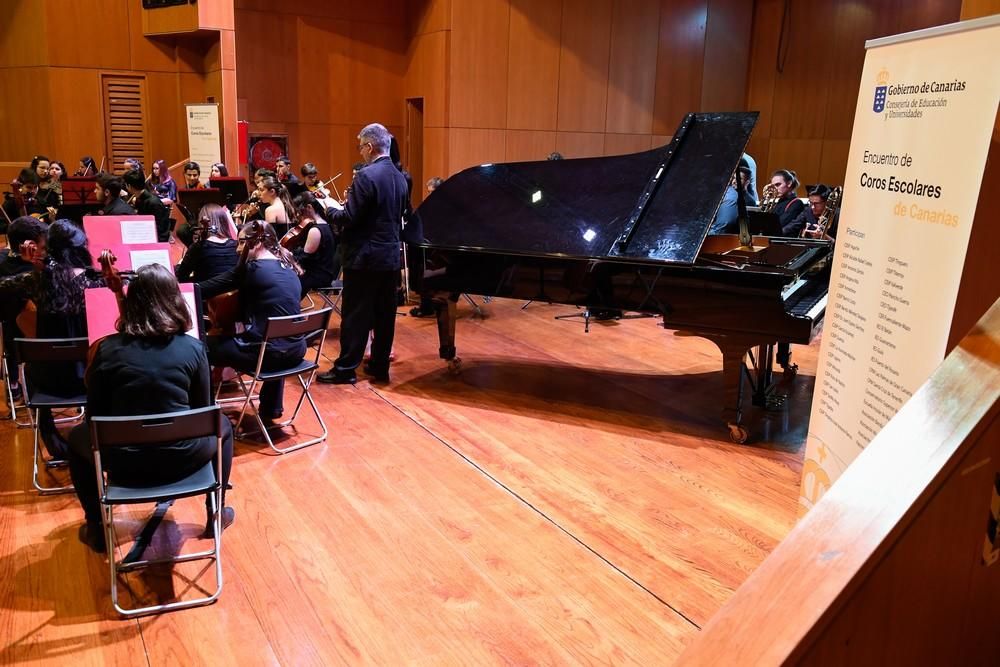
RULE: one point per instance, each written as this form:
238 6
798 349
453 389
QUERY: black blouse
207 259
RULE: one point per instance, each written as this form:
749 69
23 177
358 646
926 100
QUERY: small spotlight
536 196
589 235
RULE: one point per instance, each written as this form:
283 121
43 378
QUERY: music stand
763 224
79 198
233 188
193 200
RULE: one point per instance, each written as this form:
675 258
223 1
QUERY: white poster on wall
204 142
922 130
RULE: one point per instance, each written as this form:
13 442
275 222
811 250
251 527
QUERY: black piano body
629 233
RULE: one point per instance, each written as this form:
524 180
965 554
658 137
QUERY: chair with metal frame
34 350
308 325
6 375
108 433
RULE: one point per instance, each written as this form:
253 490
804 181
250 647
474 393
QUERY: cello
224 309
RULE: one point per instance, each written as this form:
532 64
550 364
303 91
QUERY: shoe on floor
417 312
334 376
376 374
228 516
92 534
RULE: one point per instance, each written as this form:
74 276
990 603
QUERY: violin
296 236
25 199
224 309
249 208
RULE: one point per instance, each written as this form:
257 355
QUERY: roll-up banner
922 130
204 142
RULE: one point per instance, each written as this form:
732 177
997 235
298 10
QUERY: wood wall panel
468 147
524 145
580 144
833 161
583 66
427 16
727 42
435 154
762 68
28 46
74 136
426 76
631 80
85 33
478 64
157 54
623 144
679 61
801 155
533 78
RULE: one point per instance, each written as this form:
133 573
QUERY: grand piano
629 232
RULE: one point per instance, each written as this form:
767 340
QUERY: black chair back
297 325
31 350
157 429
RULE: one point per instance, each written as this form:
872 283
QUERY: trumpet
769 198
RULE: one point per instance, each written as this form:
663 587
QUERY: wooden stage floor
569 498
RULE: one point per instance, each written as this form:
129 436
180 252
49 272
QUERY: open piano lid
655 206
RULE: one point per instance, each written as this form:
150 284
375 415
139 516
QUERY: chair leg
306 395
36 457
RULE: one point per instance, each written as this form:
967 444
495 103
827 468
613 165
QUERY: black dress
319 268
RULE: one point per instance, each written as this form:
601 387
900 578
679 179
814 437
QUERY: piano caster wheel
738 433
455 365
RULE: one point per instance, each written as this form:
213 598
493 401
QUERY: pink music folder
105 230
102 311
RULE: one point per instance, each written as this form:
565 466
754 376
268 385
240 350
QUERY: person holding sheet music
147 203
150 366
62 270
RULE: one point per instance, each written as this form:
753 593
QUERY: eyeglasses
361 146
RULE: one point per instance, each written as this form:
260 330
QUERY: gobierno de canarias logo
880 91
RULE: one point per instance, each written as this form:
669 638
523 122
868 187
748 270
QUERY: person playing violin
26 235
268 285
213 250
108 191
310 176
61 272
149 366
146 203
87 167
317 254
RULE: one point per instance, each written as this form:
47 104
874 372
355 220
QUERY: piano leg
735 350
785 359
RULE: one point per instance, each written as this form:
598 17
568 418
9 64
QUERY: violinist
318 253
269 286
108 189
61 272
278 211
162 183
26 199
149 366
213 250
146 203
87 167
310 176
131 163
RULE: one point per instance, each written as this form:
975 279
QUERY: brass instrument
832 205
769 198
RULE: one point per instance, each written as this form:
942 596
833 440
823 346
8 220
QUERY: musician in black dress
26 236
789 206
370 227
147 203
56 285
150 366
268 286
213 251
317 255
108 190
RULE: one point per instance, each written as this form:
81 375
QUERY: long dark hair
164 176
66 246
154 307
271 183
215 220
306 202
269 239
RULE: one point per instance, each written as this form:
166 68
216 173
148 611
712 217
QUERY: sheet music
138 231
143 257
189 299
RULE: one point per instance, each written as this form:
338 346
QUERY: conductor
369 228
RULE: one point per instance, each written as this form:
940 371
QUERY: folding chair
108 433
333 290
34 350
309 325
7 374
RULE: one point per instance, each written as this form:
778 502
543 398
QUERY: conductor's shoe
333 376
376 374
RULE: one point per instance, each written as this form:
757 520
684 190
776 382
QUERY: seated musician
133 163
49 192
150 366
56 286
789 206
278 211
87 167
108 189
25 236
726 218
317 254
268 287
147 203
805 223
213 251
283 169
310 176
57 172
218 170
31 201
192 176
163 184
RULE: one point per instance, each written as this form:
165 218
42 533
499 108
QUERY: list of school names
865 341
